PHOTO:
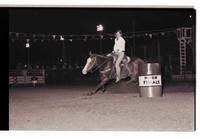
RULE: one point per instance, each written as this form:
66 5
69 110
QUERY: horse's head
90 64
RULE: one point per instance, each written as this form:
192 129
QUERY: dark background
84 21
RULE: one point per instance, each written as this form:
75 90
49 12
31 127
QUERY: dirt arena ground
119 109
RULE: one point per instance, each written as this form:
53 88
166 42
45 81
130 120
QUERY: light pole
158 50
100 29
63 49
192 24
28 49
133 49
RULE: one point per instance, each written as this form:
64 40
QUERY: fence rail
26 76
188 77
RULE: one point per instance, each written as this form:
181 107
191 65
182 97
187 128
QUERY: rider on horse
107 63
119 51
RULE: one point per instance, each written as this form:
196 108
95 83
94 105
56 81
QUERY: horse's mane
101 55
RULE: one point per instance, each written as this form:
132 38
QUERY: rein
99 66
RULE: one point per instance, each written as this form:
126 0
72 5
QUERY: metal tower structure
184 35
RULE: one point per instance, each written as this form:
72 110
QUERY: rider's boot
117 79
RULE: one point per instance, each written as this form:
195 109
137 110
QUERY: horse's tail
140 61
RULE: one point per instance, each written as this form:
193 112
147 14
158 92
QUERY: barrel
150 81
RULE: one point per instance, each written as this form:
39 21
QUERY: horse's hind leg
132 79
103 89
99 86
134 75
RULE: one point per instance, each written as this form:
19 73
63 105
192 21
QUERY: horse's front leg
100 85
103 88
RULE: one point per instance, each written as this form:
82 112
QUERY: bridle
98 66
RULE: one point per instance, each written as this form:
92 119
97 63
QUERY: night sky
84 21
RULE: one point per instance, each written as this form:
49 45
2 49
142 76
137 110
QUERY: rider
119 50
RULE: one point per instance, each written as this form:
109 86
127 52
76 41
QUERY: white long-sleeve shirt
119 45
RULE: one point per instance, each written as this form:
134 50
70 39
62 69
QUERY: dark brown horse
106 67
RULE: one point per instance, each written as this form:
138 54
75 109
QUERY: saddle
125 60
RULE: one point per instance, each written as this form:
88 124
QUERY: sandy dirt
119 109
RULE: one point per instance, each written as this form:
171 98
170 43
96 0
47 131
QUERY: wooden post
134 47
158 50
145 52
63 52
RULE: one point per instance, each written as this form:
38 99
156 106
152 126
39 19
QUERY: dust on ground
68 108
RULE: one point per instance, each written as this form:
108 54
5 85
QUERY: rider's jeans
120 56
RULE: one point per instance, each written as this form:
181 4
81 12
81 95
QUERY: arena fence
186 77
36 76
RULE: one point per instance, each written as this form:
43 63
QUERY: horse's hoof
129 82
133 82
91 93
101 92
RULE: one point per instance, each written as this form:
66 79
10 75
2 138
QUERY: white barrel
150 80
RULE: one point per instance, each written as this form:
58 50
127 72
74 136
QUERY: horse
105 64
